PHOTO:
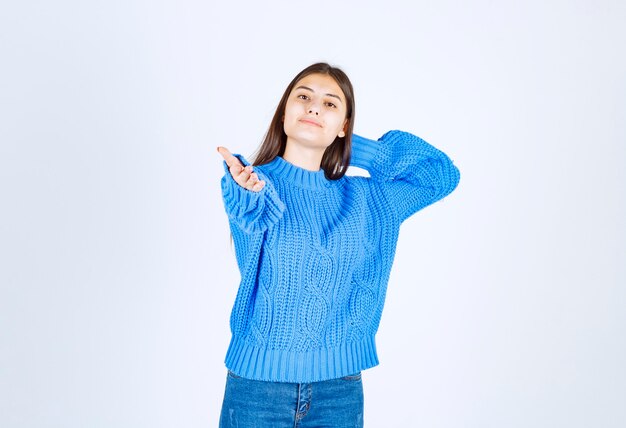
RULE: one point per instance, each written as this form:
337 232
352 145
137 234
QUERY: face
315 113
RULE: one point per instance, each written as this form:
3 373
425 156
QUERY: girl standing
315 249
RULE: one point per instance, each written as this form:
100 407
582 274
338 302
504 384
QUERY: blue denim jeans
336 403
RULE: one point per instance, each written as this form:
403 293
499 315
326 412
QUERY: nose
314 108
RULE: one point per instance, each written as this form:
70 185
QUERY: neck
309 158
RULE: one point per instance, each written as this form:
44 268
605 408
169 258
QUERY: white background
506 305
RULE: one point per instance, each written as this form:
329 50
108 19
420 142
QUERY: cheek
337 123
290 112
289 122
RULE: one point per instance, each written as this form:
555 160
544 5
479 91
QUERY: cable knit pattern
315 256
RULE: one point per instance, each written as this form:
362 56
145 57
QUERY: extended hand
242 175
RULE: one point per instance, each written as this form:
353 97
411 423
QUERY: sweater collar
296 175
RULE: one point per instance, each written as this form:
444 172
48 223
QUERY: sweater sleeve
251 211
412 173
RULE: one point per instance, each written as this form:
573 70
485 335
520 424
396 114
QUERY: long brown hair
336 158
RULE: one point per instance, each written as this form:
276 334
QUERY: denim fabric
336 403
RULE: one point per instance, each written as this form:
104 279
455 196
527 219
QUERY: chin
311 143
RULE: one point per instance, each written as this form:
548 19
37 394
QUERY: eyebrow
330 95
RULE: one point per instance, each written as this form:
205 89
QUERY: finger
236 170
252 181
224 152
243 176
228 157
254 176
258 186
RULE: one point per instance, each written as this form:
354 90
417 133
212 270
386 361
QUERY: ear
342 133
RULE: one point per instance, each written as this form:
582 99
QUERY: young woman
315 249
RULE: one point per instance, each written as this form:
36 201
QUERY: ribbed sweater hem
276 365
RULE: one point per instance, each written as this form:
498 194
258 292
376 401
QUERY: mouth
310 122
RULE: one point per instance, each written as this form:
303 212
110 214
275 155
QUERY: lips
310 122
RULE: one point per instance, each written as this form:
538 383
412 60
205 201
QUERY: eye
332 105
303 97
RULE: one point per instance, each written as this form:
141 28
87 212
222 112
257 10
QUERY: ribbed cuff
363 151
276 365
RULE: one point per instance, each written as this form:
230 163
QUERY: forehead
321 83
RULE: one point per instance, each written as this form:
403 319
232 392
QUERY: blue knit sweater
315 256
